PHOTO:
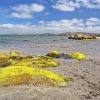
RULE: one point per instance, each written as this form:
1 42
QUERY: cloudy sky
49 16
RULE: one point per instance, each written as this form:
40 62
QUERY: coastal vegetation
55 54
78 56
4 60
15 75
14 55
26 69
38 61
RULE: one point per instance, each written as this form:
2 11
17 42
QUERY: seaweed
4 60
15 55
55 54
78 56
16 75
39 61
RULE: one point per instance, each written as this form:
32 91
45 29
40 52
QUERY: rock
4 60
98 36
78 56
15 55
81 36
55 54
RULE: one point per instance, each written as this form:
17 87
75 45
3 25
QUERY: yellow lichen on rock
15 75
14 55
4 60
55 54
78 55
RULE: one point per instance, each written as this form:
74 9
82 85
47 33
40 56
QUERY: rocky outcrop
81 36
98 36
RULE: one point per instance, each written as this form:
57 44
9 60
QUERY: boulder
4 60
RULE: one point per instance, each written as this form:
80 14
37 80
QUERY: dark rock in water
54 40
25 40
4 42
81 36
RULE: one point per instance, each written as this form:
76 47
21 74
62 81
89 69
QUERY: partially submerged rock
14 55
4 60
55 54
81 36
16 75
78 55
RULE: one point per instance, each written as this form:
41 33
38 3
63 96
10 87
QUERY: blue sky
49 16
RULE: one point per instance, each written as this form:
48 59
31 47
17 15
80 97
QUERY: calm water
22 40
28 45
29 38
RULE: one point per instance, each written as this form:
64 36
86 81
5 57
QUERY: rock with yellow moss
4 60
14 55
55 54
78 55
23 62
44 61
16 75
37 61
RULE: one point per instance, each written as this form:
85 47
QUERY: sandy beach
86 73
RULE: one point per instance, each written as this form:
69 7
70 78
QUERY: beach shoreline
86 73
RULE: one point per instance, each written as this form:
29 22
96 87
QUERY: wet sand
86 73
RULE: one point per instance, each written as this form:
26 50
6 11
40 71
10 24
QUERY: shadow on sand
65 56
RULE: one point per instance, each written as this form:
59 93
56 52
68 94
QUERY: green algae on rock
55 54
78 56
14 55
16 75
4 60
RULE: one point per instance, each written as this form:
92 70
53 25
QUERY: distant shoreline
50 34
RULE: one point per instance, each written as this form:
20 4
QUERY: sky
49 16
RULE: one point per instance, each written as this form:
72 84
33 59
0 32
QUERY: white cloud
21 15
41 22
34 7
92 4
65 5
25 10
71 5
65 25
93 22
